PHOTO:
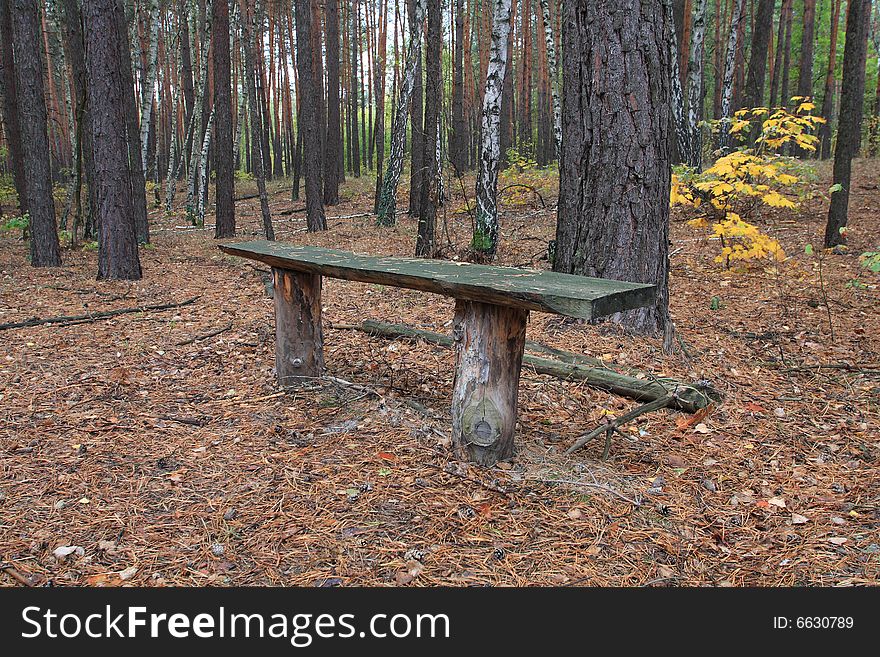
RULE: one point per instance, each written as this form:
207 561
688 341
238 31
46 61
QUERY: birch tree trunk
682 134
149 80
485 238
695 87
199 124
388 198
554 75
727 84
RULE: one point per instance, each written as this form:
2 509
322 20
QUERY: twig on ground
13 572
586 484
92 317
205 336
610 427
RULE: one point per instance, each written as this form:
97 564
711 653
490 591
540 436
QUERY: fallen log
93 317
683 396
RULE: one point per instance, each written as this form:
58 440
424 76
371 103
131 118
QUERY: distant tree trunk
103 21
379 82
9 97
776 76
727 85
31 102
149 80
828 95
200 125
223 157
507 124
695 87
458 143
132 131
784 88
355 151
310 115
849 127
334 130
552 71
679 123
805 76
524 101
417 139
613 217
75 55
719 63
754 92
433 89
388 198
485 238
250 75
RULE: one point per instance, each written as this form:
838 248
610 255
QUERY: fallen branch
610 427
93 317
868 368
586 484
205 336
529 187
569 366
13 572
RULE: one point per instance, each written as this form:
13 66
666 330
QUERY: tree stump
299 340
489 342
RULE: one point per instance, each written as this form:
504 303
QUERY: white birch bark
148 82
202 84
386 214
695 87
727 84
682 134
554 77
485 238
203 171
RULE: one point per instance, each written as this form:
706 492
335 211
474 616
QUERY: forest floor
171 458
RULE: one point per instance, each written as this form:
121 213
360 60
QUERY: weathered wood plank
489 342
299 340
562 294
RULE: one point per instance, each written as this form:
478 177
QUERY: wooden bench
491 309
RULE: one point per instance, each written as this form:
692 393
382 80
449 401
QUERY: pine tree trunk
805 75
31 102
310 115
754 92
417 135
784 89
334 130
355 152
695 87
724 140
458 143
105 40
223 155
199 123
613 217
386 215
485 238
849 126
828 95
552 71
133 135
380 103
9 98
425 244
257 163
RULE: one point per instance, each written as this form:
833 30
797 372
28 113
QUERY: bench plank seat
550 292
492 307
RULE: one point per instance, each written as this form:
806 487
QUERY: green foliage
870 260
8 195
240 174
90 246
19 222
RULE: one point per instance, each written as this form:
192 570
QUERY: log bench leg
489 342
299 341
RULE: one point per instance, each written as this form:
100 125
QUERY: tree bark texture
223 157
299 340
31 103
613 216
489 343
